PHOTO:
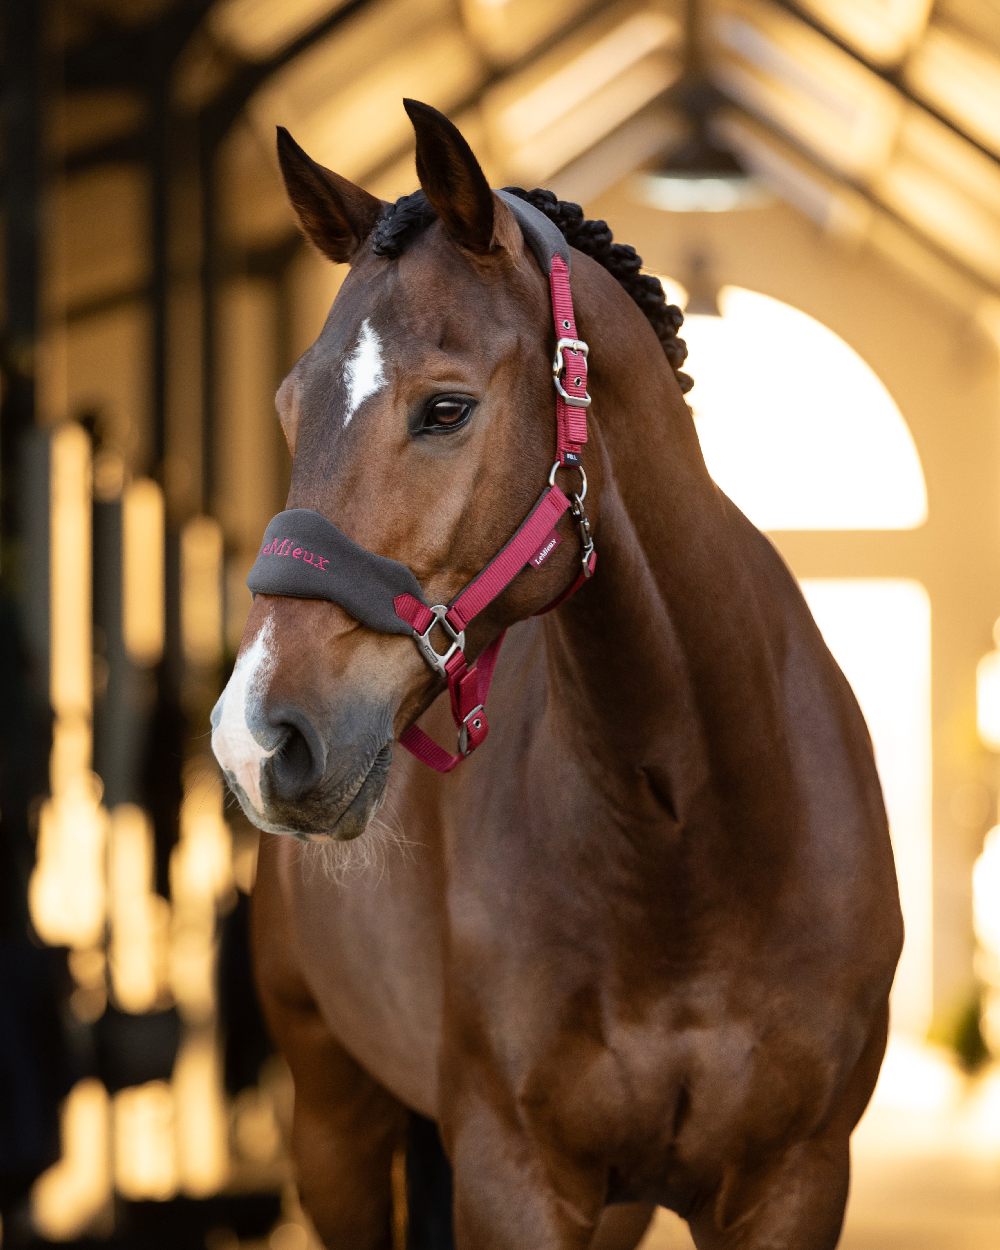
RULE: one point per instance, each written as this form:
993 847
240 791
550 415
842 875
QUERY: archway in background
795 426
802 435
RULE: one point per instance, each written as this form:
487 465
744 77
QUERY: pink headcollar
306 556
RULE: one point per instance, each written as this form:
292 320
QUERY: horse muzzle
292 777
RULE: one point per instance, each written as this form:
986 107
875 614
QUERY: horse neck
661 670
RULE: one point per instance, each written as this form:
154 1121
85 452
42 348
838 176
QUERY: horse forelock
400 223
407 219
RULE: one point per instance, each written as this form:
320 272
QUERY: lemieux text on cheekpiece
286 547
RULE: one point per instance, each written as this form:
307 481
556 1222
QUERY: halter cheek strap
306 556
569 361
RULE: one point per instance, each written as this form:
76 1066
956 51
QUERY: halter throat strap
304 555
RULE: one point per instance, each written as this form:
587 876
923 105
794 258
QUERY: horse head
420 423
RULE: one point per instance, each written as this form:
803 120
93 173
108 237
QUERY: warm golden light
986 894
258 28
986 921
201 590
256 1134
66 892
598 63
289 1237
773 65
879 630
426 56
988 695
138 917
550 114
144 1150
507 29
883 29
815 444
201 873
937 201
192 966
68 1196
201 1125
963 76
70 555
200 867
142 570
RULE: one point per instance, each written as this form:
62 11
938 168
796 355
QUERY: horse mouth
355 803
356 816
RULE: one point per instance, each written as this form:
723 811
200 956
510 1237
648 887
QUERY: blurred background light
988 694
143 593
808 440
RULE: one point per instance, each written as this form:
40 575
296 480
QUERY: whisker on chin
365 857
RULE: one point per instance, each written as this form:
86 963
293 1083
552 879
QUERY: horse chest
665 1091
684 1100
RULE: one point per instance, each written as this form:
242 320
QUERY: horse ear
335 215
452 179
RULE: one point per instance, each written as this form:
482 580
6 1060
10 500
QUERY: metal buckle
463 733
437 660
559 365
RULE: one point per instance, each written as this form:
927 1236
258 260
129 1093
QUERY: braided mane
405 219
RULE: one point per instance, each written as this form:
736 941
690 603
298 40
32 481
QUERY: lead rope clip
579 515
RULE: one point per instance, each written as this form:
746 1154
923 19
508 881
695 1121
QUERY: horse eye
445 414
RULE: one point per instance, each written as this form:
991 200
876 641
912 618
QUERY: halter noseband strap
306 556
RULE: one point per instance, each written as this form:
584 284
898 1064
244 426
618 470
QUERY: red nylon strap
427 751
416 614
468 686
571 421
510 560
573 587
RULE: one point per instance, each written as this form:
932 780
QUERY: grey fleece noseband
307 557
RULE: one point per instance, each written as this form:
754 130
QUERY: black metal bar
118 54
209 262
104 303
158 123
122 149
23 30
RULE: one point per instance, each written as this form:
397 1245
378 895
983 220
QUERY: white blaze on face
233 743
363 372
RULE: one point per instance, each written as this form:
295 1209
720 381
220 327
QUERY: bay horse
640 949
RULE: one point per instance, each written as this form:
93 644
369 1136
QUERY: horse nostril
298 765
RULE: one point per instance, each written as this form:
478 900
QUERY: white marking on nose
363 372
235 747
